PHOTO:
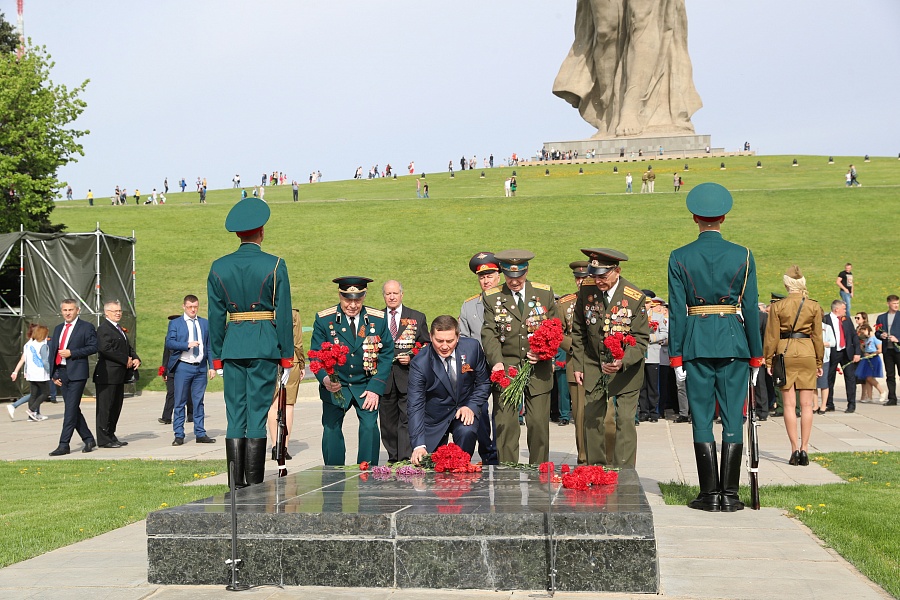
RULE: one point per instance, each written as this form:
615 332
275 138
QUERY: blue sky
211 88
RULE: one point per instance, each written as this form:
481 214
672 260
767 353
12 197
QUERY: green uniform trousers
576 393
537 419
249 387
334 450
625 453
722 381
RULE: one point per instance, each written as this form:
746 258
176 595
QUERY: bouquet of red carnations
450 458
327 358
504 377
614 349
544 343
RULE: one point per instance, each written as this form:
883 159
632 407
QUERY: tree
9 39
35 140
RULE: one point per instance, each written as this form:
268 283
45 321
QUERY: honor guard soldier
512 312
565 307
612 305
471 320
249 336
714 341
361 380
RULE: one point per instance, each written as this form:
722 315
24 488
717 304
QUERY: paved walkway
762 554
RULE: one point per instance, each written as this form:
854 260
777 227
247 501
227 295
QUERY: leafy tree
35 140
9 39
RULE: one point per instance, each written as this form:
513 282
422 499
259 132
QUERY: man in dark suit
190 365
887 328
449 385
117 361
72 342
846 352
407 326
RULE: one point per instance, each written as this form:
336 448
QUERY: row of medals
371 346
503 319
619 318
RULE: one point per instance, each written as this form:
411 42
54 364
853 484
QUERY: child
870 367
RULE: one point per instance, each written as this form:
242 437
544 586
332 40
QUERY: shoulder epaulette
540 286
568 298
374 312
327 311
470 298
632 293
494 290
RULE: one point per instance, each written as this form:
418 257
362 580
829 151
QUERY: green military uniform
595 318
249 335
504 336
367 368
565 308
710 280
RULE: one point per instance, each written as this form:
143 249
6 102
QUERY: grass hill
379 229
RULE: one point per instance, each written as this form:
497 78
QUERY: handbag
779 370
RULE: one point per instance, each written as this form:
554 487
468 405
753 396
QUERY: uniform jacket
887 345
177 342
249 280
471 318
504 334
565 308
657 350
331 325
412 325
711 271
113 352
592 322
432 402
82 342
809 321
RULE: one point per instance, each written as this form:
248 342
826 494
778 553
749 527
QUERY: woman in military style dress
803 351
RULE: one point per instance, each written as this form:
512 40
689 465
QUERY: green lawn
51 504
379 229
860 519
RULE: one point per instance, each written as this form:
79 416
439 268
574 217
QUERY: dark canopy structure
93 268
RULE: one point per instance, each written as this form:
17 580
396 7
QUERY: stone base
679 145
330 527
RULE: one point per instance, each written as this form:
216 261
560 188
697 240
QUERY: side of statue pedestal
610 148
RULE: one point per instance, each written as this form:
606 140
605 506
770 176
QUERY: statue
628 72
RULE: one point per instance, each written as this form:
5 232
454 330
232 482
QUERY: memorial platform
491 530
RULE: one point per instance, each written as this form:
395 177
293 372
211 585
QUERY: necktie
394 324
62 342
353 326
843 342
451 372
195 351
520 302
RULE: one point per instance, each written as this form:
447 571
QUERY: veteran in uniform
512 312
714 341
565 307
471 320
361 380
611 305
249 336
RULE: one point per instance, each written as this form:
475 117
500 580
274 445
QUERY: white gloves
754 373
680 375
219 372
285 375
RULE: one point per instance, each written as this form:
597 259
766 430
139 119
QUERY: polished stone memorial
490 530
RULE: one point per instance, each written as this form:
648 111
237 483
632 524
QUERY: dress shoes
795 458
89 446
113 444
165 421
120 442
850 409
178 441
205 440
190 419
891 402
563 422
829 409
762 418
60 451
682 419
654 419
803 461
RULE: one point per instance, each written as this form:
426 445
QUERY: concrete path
748 555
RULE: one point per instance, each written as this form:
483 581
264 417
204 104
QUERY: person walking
36 363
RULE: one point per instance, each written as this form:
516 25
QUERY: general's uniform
250 334
710 280
596 317
367 368
504 336
471 317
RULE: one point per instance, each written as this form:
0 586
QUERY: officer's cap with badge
579 268
352 288
602 260
483 263
709 201
514 263
247 216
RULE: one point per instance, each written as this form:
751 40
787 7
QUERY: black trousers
73 420
394 424
109 406
39 392
842 357
891 367
648 401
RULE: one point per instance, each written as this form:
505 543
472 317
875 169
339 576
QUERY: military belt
261 315
794 336
712 309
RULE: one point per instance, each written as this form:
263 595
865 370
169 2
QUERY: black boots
234 453
708 472
731 476
255 460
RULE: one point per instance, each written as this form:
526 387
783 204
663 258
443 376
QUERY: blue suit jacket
895 330
82 343
177 341
431 403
